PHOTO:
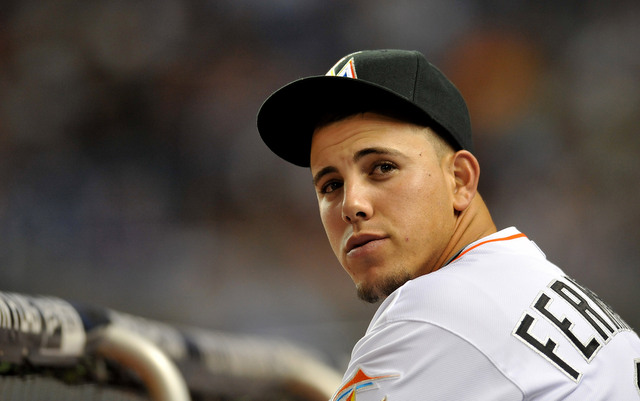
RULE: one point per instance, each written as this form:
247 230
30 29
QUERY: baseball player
468 312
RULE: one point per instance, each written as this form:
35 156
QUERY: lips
357 241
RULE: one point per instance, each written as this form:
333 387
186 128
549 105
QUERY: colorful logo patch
358 383
348 70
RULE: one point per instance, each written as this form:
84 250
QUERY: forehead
349 135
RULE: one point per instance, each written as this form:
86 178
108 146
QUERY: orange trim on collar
520 235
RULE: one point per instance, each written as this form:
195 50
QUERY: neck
472 224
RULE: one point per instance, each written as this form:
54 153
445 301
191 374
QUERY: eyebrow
356 157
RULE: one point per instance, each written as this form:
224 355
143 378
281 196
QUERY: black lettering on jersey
637 362
547 350
620 325
565 326
581 305
604 321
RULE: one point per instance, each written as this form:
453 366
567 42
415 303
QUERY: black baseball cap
395 82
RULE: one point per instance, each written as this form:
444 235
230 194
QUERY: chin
373 292
368 294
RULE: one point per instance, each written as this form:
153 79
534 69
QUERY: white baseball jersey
499 322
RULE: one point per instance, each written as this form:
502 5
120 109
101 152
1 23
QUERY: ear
466 172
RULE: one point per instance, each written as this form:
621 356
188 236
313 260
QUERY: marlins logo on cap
347 71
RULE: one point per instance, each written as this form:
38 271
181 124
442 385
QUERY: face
385 197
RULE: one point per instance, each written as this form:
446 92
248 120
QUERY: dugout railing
53 349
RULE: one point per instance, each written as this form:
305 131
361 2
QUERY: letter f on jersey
358 383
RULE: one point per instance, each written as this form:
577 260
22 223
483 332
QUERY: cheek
421 205
332 222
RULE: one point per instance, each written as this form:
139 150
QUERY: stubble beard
374 292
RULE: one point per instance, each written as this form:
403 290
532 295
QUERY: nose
356 205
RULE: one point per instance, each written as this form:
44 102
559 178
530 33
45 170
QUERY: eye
330 186
383 168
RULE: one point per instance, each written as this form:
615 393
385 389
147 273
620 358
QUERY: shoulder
416 360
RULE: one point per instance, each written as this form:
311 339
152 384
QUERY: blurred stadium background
132 175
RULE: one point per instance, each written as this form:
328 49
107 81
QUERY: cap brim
288 118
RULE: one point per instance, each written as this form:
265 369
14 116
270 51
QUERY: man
468 312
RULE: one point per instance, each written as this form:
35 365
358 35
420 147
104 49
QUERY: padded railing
52 344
